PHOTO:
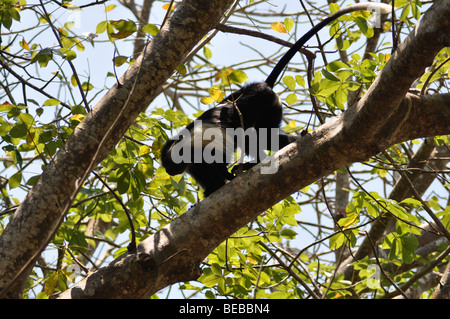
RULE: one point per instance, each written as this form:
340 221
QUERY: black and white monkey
255 106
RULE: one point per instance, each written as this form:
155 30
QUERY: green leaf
68 55
344 45
51 102
336 65
179 184
336 241
289 24
8 13
125 28
330 76
19 130
238 76
15 180
334 7
405 13
288 233
335 29
291 98
121 160
434 203
69 24
209 279
341 97
412 201
101 27
14 14
50 284
207 53
86 86
43 57
6 21
289 81
110 7
364 27
119 60
123 182
415 6
207 100
32 180
216 269
17 157
79 45
327 87
26 119
144 150
300 80
409 245
347 237
78 109
150 29
402 247
67 42
181 69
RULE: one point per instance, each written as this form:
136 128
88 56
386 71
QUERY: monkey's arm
283 140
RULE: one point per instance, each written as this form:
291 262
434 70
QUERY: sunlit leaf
278 27
291 98
238 76
51 102
166 7
207 100
119 60
150 29
101 27
15 180
217 94
110 7
289 24
290 82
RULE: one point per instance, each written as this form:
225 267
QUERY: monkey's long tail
364 6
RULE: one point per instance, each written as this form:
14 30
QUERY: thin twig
291 272
444 231
381 268
132 245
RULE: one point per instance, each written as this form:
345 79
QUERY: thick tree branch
443 289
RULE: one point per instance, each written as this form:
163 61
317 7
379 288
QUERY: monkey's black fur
254 105
258 107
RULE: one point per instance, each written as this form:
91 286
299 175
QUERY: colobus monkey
205 147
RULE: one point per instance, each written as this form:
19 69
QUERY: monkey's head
255 94
254 101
